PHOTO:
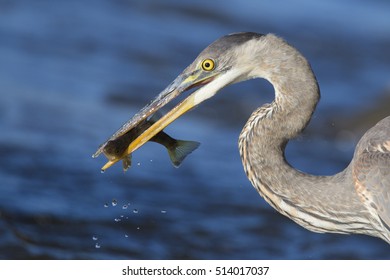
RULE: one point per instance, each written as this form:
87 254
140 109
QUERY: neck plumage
319 203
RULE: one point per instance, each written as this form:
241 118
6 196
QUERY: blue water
71 72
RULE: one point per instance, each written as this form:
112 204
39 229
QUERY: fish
178 150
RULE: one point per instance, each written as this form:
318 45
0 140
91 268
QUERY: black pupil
207 64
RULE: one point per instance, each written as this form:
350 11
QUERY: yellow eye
208 64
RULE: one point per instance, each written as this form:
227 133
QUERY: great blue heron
356 200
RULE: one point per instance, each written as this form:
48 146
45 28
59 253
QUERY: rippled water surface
71 72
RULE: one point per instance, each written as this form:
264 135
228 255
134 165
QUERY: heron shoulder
376 139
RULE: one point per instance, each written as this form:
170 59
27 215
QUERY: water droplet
135 211
117 220
105 205
94 238
124 207
97 245
163 211
102 171
151 160
139 164
138 228
126 235
114 202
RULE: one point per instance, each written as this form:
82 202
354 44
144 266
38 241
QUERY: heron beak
182 83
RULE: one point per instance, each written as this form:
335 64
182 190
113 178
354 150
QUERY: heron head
222 63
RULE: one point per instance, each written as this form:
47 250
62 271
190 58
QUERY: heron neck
319 203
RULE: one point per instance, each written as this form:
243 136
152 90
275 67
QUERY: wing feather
372 180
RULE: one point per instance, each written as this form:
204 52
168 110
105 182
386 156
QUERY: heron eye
208 64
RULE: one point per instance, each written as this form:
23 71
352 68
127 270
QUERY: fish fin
155 117
181 150
126 163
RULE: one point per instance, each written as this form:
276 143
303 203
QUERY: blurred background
72 72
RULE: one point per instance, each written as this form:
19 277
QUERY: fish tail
181 150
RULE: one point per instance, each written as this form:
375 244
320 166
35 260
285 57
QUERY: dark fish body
115 148
177 149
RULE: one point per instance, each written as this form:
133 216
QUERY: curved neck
319 203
